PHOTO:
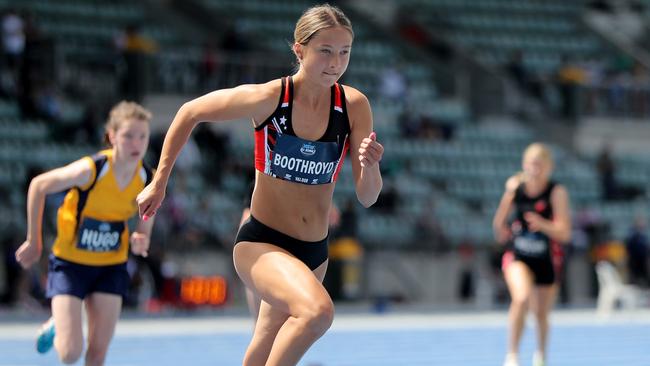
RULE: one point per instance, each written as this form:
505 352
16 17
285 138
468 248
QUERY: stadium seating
492 30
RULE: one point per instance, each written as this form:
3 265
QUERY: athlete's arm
255 101
365 151
76 174
141 237
559 228
499 223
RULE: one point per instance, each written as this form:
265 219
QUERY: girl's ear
297 50
111 137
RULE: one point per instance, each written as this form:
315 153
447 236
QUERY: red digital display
200 290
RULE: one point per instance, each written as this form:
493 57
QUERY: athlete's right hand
28 254
149 200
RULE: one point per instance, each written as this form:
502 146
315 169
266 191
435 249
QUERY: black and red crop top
281 154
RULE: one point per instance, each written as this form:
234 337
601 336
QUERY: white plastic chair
612 289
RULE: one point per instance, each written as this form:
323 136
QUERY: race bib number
302 161
531 244
99 236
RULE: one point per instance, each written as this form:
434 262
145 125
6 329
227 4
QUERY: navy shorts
312 253
68 278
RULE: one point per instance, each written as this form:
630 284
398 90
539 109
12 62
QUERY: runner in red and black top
303 127
542 254
531 266
281 154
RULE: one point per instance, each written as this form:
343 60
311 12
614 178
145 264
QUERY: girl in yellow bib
88 260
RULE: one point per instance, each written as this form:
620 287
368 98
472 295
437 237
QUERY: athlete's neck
535 186
307 92
122 164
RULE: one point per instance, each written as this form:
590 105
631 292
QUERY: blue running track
577 339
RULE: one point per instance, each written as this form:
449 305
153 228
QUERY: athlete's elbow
38 184
367 200
367 203
565 237
188 113
368 197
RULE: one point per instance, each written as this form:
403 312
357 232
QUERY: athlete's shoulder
559 189
96 160
263 90
357 105
100 158
265 97
86 168
102 154
513 183
354 97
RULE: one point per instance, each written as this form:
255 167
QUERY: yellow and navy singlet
92 221
281 154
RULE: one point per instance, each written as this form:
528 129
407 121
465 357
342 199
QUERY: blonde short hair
122 112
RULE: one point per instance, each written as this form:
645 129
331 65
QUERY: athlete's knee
96 352
319 315
324 314
95 356
520 301
541 315
69 353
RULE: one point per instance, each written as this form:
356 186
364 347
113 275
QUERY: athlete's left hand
535 221
370 151
140 244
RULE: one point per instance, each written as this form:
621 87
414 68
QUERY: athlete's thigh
270 319
520 280
103 310
279 278
66 310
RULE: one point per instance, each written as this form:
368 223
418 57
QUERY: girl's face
325 58
131 139
536 167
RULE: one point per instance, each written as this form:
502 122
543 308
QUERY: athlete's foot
511 360
538 359
45 338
